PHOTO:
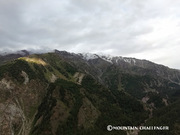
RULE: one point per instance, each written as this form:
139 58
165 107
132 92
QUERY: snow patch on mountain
108 58
89 56
127 60
130 60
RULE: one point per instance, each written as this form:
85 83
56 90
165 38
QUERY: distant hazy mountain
62 93
11 56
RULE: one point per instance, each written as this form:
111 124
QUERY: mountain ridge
126 63
65 90
85 54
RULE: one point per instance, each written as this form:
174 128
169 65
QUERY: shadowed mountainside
66 93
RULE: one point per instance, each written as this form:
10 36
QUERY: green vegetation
156 99
14 69
130 110
166 116
115 96
135 85
45 109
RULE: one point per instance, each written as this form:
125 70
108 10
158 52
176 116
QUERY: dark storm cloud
143 29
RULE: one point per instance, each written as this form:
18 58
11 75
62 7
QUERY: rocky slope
66 93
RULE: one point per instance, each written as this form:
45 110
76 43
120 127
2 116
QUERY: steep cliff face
20 98
66 93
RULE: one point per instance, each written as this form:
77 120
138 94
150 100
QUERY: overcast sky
145 29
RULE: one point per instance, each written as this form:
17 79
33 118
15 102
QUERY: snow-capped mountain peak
89 56
108 58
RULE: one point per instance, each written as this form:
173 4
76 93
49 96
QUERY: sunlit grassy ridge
34 60
50 65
